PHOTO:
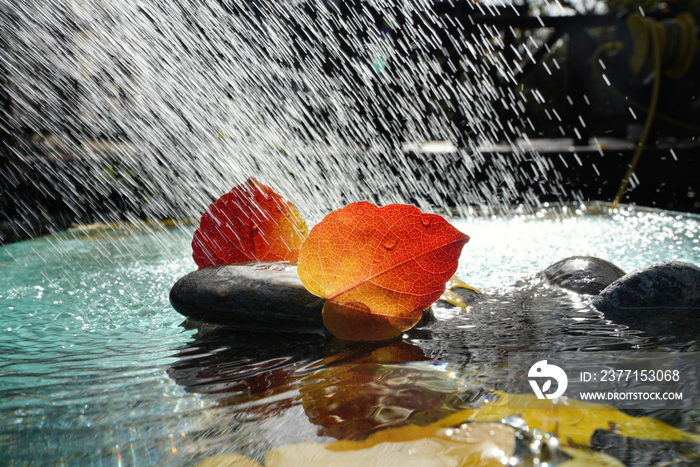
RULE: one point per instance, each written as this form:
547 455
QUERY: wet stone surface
663 285
252 295
582 274
660 300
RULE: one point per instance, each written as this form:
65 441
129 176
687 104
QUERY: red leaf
249 223
390 262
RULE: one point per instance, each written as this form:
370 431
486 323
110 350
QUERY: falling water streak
171 104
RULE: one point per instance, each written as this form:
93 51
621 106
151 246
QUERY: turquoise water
96 367
504 249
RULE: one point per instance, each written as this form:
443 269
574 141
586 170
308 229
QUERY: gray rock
582 274
663 285
661 300
266 296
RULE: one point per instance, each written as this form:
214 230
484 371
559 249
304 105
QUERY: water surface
97 368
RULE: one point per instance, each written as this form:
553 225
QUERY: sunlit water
96 368
170 104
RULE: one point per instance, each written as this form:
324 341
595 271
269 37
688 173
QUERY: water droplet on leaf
389 243
425 220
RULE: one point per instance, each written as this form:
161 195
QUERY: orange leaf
356 322
249 223
390 262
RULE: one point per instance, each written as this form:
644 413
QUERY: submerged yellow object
479 445
451 297
229 460
572 421
477 437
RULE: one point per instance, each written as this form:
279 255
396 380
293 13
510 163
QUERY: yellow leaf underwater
473 445
481 439
228 460
452 297
572 421
581 458
479 445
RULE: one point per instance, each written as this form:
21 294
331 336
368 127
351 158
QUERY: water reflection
88 336
279 389
359 391
348 390
239 367
667 325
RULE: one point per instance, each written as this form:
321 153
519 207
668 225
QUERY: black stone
662 300
663 285
582 274
264 296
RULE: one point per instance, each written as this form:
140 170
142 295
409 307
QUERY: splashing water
152 109
96 368
170 104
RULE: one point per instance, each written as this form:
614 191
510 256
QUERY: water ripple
96 368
